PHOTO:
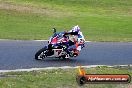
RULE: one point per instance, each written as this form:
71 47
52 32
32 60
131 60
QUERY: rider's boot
67 56
76 53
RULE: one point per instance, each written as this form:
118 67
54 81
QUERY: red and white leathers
78 38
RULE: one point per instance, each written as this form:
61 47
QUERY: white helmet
75 29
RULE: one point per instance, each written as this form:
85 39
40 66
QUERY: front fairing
56 38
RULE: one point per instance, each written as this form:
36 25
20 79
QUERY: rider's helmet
75 29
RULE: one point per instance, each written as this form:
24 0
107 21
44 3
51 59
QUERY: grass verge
100 20
60 78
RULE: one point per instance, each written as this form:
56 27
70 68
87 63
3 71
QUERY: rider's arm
71 33
74 33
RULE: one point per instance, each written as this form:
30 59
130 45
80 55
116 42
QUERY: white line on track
63 67
28 40
48 68
47 40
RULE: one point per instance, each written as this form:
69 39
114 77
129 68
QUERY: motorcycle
56 48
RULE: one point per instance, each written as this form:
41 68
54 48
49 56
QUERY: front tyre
41 54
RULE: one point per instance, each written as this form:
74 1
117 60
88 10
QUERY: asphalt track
17 54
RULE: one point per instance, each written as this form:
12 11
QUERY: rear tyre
41 54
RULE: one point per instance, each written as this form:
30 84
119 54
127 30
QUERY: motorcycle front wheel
41 54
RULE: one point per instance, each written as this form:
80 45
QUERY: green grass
100 20
59 78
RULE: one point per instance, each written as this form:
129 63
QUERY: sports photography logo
83 78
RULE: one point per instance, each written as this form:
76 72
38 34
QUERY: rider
76 39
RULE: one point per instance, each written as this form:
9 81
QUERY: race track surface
16 54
